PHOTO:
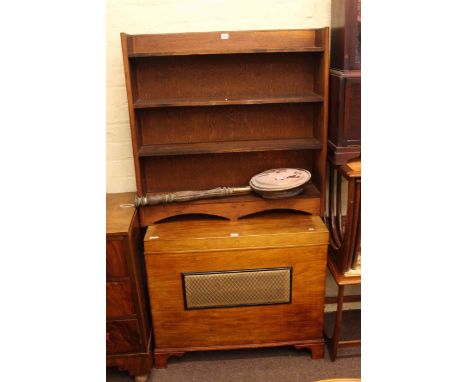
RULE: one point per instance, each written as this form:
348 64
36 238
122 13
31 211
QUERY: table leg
333 349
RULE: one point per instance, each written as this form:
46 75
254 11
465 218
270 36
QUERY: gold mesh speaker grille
237 288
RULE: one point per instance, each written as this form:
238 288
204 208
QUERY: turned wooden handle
185 196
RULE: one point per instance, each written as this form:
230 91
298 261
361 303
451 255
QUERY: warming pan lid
280 179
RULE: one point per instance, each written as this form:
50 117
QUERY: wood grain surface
123 337
116 253
213 43
247 76
118 219
205 171
211 234
230 147
119 299
299 321
200 245
239 122
246 103
128 330
352 169
223 100
235 207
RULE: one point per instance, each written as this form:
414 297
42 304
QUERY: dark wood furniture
344 252
344 129
128 329
334 342
344 145
213 109
259 282
345 224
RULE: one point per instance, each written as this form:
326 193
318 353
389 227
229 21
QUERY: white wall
168 16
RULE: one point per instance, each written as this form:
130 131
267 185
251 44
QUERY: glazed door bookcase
213 109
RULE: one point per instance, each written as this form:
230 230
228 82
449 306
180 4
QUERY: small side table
344 252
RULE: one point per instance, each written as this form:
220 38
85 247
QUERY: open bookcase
213 109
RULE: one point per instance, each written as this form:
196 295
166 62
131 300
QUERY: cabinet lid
269 230
119 219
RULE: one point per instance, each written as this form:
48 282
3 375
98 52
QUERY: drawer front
119 299
116 250
123 337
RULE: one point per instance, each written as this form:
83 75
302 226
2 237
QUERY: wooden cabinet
344 134
217 284
344 129
128 329
345 47
213 109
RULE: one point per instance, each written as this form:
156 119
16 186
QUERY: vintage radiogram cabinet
218 284
128 328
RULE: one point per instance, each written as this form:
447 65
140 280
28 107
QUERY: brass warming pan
271 184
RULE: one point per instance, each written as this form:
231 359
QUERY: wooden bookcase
215 108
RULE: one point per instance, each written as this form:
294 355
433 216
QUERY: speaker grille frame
185 275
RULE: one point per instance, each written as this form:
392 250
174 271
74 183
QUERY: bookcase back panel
318 118
226 123
195 172
236 75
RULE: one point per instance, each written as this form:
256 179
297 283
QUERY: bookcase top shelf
232 51
215 101
232 42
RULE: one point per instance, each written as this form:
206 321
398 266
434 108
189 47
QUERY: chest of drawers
128 330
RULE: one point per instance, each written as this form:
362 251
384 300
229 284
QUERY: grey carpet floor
269 364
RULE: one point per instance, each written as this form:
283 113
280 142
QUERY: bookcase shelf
235 207
230 147
215 101
242 51
222 42
213 109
